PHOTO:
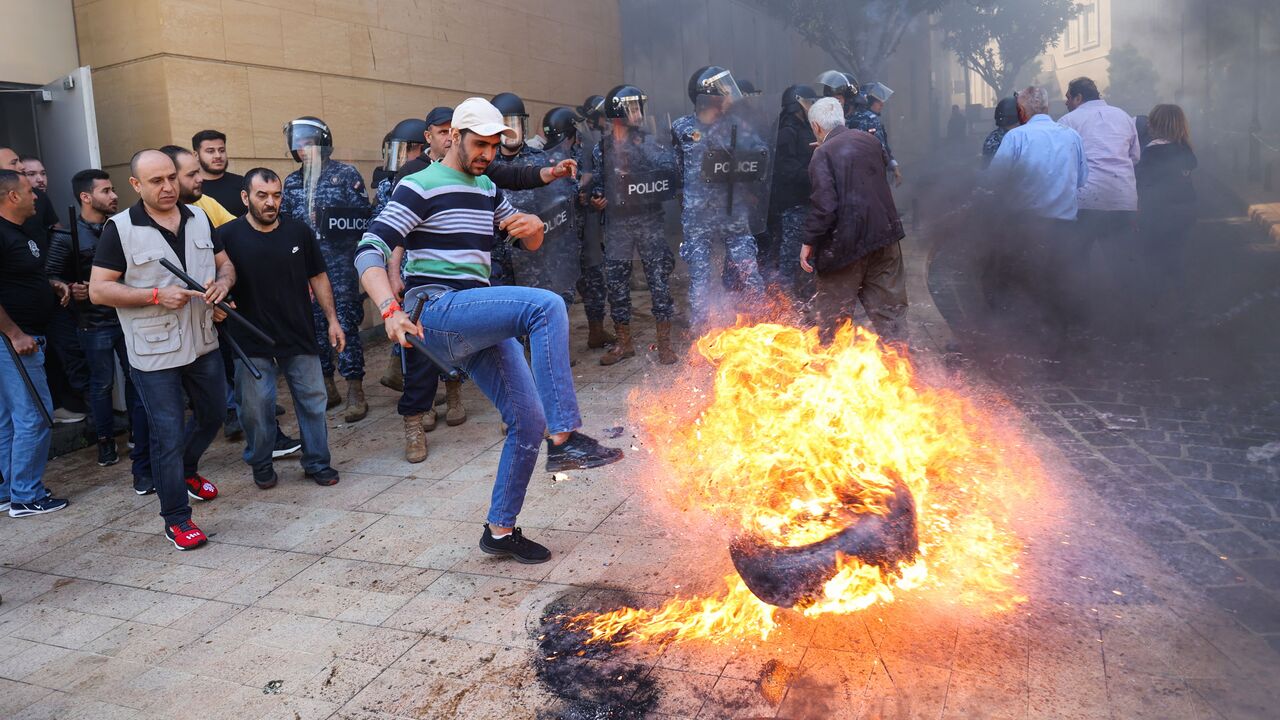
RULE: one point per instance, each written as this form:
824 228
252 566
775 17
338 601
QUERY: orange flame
797 439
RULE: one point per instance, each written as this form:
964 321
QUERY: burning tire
791 576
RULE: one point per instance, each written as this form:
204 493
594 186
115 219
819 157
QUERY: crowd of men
214 285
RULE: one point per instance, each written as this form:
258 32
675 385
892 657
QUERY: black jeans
66 368
176 447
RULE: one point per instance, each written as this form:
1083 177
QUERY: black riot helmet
798 98
1007 112
308 131
592 111
515 116
715 81
558 124
835 83
625 102
748 88
509 104
403 138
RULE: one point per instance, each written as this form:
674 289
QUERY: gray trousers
878 281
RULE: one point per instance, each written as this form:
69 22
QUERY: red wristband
391 310
155 296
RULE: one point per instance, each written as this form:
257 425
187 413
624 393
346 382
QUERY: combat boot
393 378
666 355
415 439
456 415
597 336
622 349
429 420
331 389
356 408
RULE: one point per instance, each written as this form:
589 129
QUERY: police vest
159 338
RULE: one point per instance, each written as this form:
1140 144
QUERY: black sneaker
265 478
515 545
325 476
39 507
143 486
232 430
107 454
285 445
579 452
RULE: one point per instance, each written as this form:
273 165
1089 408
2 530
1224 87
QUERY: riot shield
343 225
737 165
555 265
592 220
639 175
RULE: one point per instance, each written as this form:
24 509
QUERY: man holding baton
27 301
445 216
168 330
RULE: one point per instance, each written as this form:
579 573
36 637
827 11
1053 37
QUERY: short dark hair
267 175
1083 87
173 151
82 182
25 158
10 180
205 136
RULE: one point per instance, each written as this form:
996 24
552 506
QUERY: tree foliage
859 34
998 38
1133 80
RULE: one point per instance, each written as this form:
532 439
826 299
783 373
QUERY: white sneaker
63 416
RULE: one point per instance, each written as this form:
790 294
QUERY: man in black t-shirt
280 266
28 299
210 147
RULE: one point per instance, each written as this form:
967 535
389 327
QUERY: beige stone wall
37 58
164 69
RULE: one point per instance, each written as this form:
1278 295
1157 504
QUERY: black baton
733 165
26 380
452 373
73 263
235 346
223 306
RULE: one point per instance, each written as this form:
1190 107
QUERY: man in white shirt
1109 200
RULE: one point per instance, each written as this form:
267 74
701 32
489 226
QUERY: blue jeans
258 409
477 330
103 346
176 446
24 439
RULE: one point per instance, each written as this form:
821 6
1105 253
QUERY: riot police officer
635 176
868 119
560 125
789 200
841 85
330 197
516 152
722 188
405 142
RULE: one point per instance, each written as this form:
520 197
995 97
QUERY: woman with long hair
1166 210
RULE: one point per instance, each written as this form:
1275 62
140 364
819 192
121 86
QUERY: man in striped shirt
445 216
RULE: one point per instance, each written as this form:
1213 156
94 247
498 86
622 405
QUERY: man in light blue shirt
1037 269
1040 166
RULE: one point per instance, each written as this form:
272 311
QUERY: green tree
858 34
997 39
1133 80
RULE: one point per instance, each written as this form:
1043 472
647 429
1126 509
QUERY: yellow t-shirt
218 215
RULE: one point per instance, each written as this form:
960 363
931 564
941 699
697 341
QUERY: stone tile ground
369 600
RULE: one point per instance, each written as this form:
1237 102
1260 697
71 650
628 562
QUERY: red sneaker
200 489
185 535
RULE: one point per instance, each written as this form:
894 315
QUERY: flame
794 441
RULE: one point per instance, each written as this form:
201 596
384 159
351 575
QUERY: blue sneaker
39 507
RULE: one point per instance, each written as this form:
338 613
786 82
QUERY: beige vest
159 338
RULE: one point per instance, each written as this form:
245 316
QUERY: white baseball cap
480 117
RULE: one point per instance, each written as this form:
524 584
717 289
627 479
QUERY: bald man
168 330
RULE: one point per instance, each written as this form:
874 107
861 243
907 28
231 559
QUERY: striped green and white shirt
445 220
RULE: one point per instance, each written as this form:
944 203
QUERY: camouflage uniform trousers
593 287
624 239
340 263
791 228
695 250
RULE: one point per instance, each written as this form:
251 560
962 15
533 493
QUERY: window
1071 38
1090 35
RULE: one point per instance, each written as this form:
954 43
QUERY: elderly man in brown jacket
852 234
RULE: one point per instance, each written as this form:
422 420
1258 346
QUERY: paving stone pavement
370 601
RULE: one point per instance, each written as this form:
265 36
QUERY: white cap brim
488 129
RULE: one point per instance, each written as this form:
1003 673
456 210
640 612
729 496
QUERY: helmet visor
300 134
722 84
519 123
629 108
398 153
